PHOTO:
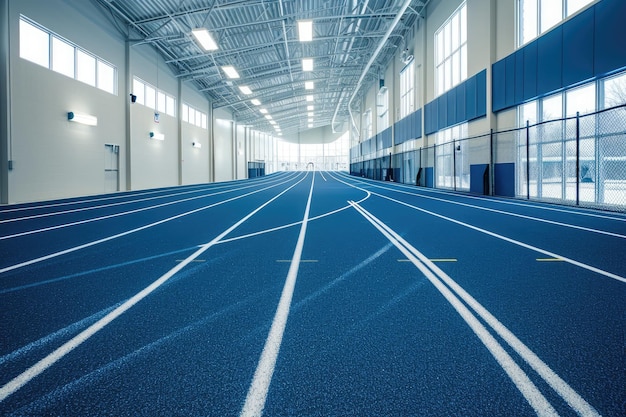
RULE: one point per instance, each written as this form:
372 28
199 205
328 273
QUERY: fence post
492 190
435 166
527 159
577 158
454 164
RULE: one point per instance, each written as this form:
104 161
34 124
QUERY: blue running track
310 294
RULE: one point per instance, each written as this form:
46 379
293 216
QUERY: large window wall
407 87
572 158
538 16
452 169
451 51
332 156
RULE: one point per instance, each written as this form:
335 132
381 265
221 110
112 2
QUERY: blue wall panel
509 83
578 35
430 117
429 177
481 95
610 36
519 77
386 138
442 113
450 99
470 98
498 85
477 173
530 71
461 95
504 179
549 61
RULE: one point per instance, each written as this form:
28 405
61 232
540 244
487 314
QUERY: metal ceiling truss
259 38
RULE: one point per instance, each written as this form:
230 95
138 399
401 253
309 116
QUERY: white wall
51 157
223 145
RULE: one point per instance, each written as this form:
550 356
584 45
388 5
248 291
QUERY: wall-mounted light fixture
196 145
157 136
85 119
133 98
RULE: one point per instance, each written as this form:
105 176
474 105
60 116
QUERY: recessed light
230 71
305 30
205 39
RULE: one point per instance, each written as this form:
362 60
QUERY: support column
5 103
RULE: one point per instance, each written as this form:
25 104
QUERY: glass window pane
551 13
139 91
185 113
455 34
62 57
456 68
440 53
615 91
34 44
204 121
552 108
464 63
192 116
575 5
150 97
85 68
464 24
161 101
581 100
171 106
528 22
447 40
106 77
528 113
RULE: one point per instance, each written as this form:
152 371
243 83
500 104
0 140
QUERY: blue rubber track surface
405 302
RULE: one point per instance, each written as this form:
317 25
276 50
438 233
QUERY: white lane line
124 213
45 363
257 394
324 178
506 213
274 229
120 203
523 383
500 200
128 232
116 196
557 383
506 239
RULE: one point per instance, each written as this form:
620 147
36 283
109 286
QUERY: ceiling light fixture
308 85
268 117
310 108
245 89
205 39
305 30
307 64
263 111
309 98
255 102
230 71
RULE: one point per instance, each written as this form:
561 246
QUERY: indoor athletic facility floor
310 294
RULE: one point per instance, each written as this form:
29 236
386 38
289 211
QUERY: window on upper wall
539 16
45 48
614 91
407 85
382 107
154 98
367 125
194 116
451 51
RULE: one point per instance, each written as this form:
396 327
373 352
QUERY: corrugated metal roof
259 38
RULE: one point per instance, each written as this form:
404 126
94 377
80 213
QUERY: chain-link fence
577 160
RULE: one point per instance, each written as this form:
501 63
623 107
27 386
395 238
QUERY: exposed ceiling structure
353 42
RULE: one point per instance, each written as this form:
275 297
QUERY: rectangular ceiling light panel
307 64
308 85
305 30
230 71
205 39
245 89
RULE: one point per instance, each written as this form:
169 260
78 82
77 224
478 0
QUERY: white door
111 168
